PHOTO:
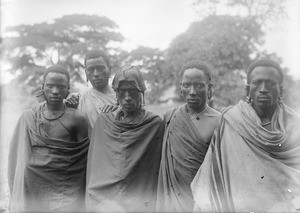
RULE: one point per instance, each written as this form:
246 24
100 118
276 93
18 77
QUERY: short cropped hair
198 65
57 69
97 54
264 63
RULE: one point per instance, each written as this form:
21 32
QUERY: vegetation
228 42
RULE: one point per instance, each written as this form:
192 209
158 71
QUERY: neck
194 111
104 90
265 114
131 114
58 107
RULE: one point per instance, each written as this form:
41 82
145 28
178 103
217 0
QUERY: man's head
264 84
129 87
195 81
97 69
56 84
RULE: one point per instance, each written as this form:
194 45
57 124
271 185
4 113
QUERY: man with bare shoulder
48 151
188 131
253 162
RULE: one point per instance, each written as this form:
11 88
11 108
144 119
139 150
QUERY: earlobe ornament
248 99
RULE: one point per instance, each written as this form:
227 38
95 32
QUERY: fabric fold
249 168
48 174
123 164
183 152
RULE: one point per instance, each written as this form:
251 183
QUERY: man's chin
194 105
264 106
99 86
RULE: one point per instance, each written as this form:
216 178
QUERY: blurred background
159 36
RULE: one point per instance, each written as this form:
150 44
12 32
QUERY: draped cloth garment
123 164
249 168
90 103
183 152
45 174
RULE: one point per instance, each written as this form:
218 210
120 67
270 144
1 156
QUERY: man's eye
186 85
49 85
271 84
61 87
199 85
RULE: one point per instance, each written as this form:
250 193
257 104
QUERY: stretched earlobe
209 91
248 98
67 94
209 94
280 91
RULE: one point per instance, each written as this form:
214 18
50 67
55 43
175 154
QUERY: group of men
104 152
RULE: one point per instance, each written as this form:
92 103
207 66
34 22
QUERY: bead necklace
200 113
54 118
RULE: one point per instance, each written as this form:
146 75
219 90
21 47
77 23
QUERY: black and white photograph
149 106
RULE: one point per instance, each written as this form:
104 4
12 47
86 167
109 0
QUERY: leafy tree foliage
228 41
264 12
30 48
226 44
152 63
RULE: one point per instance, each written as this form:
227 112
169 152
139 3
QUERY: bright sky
152 23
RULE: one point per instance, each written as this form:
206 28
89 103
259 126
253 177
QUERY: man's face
129 97
264 87
56 88
194 88
97 73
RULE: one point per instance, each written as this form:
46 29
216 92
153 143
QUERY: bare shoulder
214 115
75 115
213 111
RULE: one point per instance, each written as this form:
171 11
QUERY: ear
67 94
247 89
42 85
209 91
280 90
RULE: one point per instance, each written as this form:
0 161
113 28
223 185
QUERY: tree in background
30 48
264 12
227 41
152 63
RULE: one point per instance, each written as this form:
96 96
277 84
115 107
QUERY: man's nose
127 96
95 72
263 87
192 90
55 90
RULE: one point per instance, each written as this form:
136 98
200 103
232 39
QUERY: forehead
126 85
194 74
56 78
96 62
262 72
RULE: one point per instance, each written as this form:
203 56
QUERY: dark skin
56 89
195 87
130 99
97 72
264 89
